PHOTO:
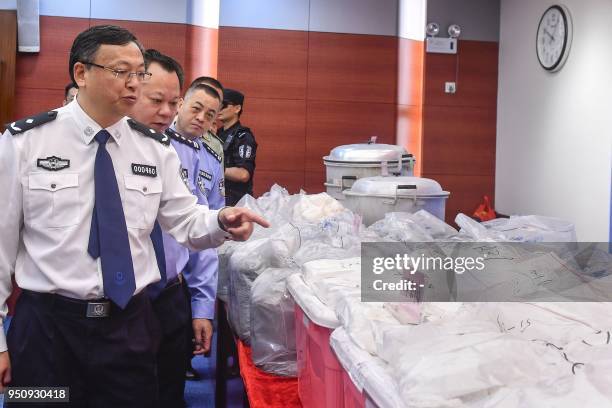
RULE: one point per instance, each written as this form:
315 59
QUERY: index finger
256 218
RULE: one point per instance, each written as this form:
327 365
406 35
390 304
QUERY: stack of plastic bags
253 274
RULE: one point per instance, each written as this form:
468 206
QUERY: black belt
91 308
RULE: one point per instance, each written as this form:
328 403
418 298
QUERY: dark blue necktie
108 238
155 289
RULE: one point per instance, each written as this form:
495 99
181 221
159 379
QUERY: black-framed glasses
123 74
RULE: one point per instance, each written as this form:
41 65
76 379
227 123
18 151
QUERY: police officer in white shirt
82 187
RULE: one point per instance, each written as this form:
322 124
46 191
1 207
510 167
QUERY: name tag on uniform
206 175
144 170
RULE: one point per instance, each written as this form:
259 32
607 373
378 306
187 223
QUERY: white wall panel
203 13
65 8
554 137
412 19
162 11
272 14
379 17
8 4
479 19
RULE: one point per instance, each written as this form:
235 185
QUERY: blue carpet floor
201 393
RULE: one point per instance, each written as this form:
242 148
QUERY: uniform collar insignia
181 139
212 152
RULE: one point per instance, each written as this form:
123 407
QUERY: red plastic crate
320 383
353 398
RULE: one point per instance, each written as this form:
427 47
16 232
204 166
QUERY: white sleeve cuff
3 346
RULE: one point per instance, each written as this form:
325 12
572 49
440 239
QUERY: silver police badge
222 187
53 163
185 177
202 187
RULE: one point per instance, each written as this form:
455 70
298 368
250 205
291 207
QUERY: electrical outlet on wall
450 87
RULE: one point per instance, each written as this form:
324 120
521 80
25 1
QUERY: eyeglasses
123 74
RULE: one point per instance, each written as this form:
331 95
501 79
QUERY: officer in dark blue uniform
239 148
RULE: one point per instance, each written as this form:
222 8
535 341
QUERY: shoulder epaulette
147 131
31 122
243 131
179 138
210 150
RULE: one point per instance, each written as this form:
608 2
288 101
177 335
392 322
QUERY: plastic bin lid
403 186
364 152
305 298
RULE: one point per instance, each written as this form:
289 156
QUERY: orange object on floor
485 211
263 389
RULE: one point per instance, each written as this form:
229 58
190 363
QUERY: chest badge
185 177
203 175
222 187
202 187
53 163
144 170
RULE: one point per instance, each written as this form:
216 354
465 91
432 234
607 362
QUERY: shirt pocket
141 201
52 200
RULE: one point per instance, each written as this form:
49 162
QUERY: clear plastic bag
476 231
273 323
245 265
401 227
533 228
434 226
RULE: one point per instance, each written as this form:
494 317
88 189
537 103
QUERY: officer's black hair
209 90
87 43
68 87
169 64
206 80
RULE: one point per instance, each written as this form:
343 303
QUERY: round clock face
554 38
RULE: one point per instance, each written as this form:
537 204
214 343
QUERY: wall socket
450 87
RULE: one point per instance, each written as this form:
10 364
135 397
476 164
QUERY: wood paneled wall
8 45
307 92
41 77
459 130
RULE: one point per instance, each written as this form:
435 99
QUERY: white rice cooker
348 163
373 197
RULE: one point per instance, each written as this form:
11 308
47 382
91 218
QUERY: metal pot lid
402 186
364 152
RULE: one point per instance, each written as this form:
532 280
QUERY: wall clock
554 38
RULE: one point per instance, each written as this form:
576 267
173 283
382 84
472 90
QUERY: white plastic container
373 197
348 163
